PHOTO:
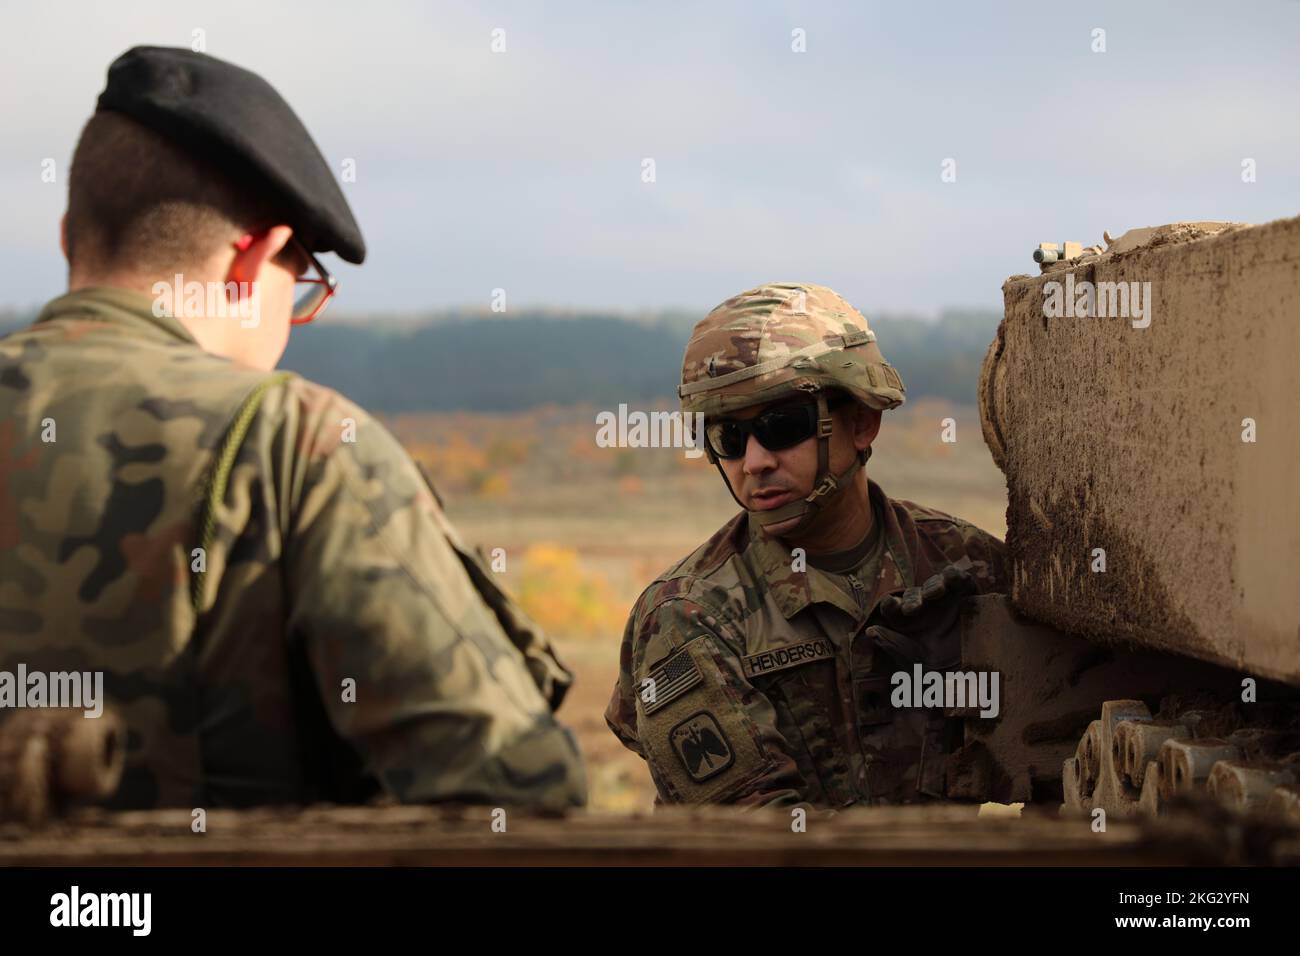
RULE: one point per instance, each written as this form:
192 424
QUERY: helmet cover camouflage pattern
779 339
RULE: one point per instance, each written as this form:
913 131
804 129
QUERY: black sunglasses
777 428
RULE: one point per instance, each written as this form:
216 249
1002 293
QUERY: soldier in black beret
238 122
278 606
184 147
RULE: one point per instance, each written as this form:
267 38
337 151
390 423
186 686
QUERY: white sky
522 170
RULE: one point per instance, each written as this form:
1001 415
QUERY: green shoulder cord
214 488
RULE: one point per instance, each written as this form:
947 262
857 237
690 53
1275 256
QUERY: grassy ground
584 529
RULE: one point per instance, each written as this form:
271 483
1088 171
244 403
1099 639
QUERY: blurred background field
585 528
501 411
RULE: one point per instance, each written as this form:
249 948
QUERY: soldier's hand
920 624
905 610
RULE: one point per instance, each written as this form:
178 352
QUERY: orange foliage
507 452
493 486
565 599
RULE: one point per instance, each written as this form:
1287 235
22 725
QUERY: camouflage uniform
340 637
748 678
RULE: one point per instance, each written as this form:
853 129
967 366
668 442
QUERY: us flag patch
669 681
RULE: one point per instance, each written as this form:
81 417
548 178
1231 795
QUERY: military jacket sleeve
414 669
684 704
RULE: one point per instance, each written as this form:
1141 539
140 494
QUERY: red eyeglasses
314 293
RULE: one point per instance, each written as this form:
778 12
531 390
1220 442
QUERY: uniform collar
795 590
121 307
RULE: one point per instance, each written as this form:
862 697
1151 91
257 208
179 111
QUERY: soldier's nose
757 458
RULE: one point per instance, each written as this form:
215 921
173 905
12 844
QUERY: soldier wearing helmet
749 672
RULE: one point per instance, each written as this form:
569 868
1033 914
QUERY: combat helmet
783 339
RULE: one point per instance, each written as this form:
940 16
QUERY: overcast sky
523 169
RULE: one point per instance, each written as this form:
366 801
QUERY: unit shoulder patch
702 746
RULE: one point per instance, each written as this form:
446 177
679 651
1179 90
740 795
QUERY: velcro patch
669 681
701 746
791 655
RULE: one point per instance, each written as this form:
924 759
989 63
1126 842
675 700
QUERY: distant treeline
467 361
504 364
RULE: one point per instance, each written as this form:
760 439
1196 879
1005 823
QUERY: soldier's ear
866 425
63 234
254 251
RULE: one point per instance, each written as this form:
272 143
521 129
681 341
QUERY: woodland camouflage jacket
343 639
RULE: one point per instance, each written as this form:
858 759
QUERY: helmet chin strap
825 488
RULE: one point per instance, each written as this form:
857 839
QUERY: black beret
235 119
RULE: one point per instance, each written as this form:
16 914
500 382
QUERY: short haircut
137 201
